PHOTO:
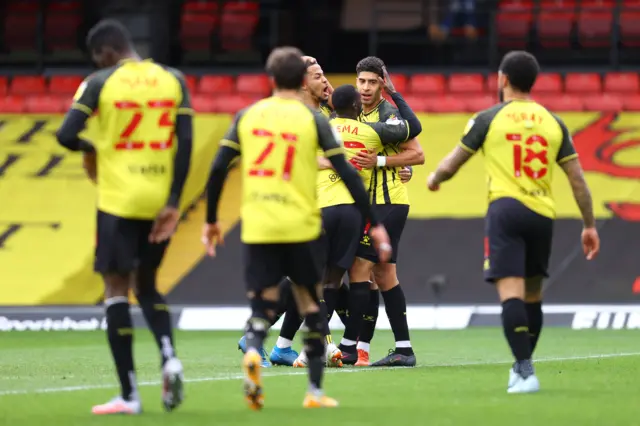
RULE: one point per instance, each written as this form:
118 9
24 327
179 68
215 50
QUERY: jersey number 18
521 164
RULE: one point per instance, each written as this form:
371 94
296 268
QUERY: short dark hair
287 68
109 33
521 68
344 97
370 64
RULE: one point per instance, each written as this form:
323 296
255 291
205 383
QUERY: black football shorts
393 217
266 264
123 245
342 225
517 241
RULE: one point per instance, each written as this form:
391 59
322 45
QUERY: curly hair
521 68
370 64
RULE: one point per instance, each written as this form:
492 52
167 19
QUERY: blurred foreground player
277 139
520 141
316 91
140 175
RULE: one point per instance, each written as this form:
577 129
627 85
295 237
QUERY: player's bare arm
448 167
582 195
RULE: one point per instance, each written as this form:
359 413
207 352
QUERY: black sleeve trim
182 160
217 177
67 135
415 127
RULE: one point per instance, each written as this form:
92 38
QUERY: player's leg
538 252
263 271
395 303
158 317
304 271
505 255
369 322
116 254
342 303
336 248
358 303
396 308
282 353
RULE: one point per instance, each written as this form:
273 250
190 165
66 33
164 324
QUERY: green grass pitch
588 378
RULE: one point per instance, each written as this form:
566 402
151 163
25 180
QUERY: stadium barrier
230 318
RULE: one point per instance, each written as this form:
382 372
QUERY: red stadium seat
513 23
595 24
192 83
11 104
216 84
561 102
548 83
622 82
428 84
4 86
256 84
28 85
44 104
203 103
198 21
239 22
64 84
417 103
629 28
21 25
445 104
604 103
231 104
480 102
466 83
583 83
400 81
631 103
62 24
555 23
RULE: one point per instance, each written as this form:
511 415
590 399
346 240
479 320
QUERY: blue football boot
283 356
242 345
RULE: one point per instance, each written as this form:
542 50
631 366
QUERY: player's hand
386 82
165 225
90 165
211 237
366 160
405 173
590 243
432 184
381 243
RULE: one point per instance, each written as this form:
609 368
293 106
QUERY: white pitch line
304 372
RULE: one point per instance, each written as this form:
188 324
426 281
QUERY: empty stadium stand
614 91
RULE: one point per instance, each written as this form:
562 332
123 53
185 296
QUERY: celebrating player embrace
520 140
277 139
